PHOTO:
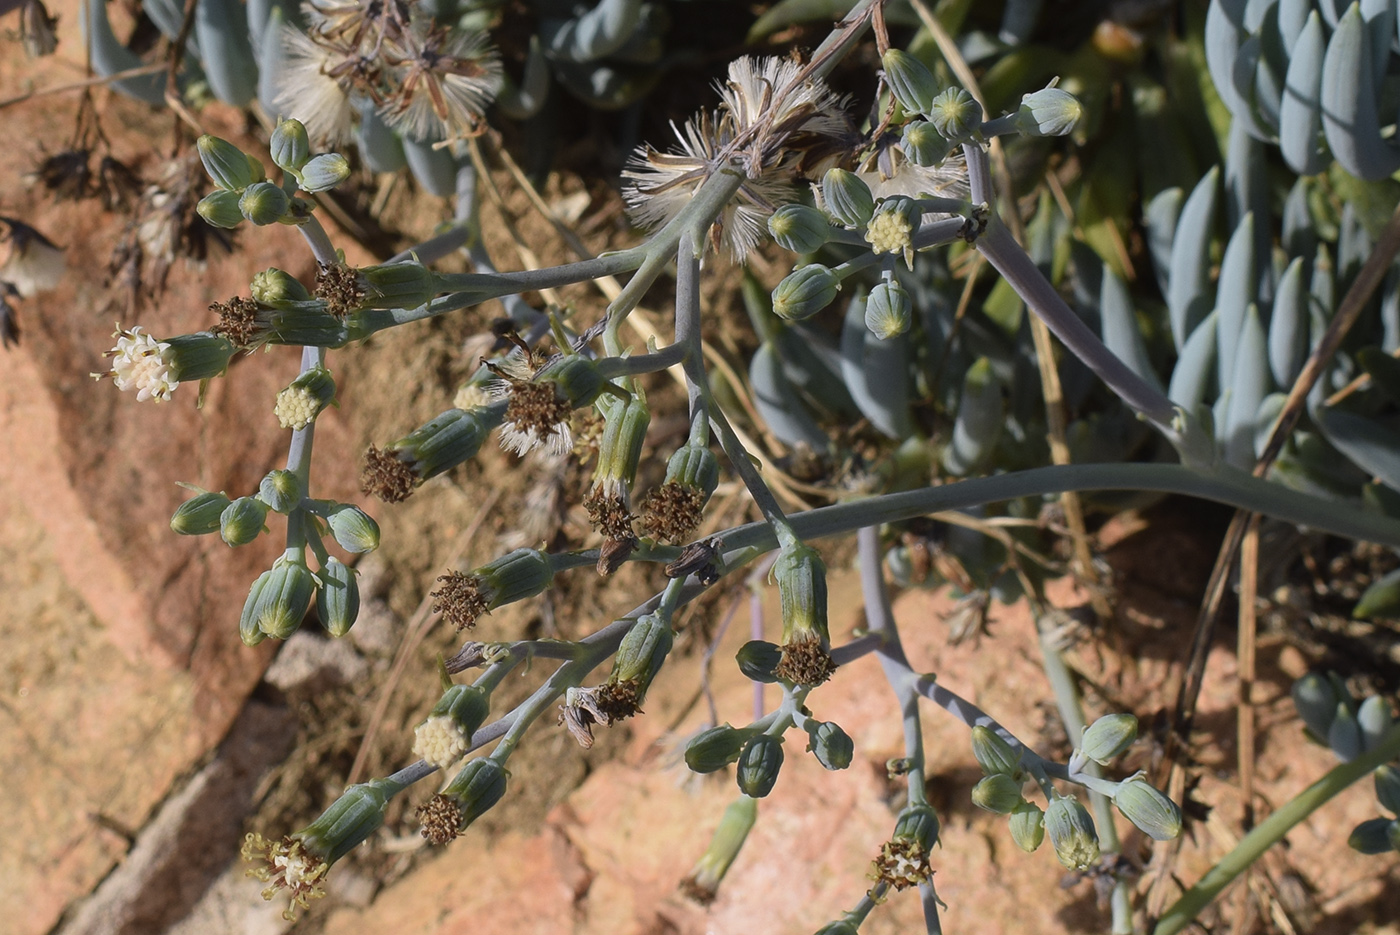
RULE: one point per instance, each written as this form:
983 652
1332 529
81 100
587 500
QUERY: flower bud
277 601
467 706
398 285
847 198
1374 719
351 819
1387 779
228 166
515 576
993 753
758 660
446 441
1316 703
1149 810
304 399
831 745
703 881
198 356
1344 736
1072 833
445 736
888 310
923 144
642 652
715 748
956 115
1108 737
1375 836
892 228
1027 826
1048 112
220 209
576 378
199 514
338 597
910 81
275 288
759 763
997 793
799 228
282 490
324 172
917 823
805 291
620 449
263 203
354 530
290 145
242 521
477 788
801 576
694 466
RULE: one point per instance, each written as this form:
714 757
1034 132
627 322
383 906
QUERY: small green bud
398 285
263 203
715 748
228 166
758 659
620 449
888 310
1048 112
351 819
275 288
282 490
515 576
955 114
918 823
290 145
467 706
694 466
1108 737
354 529
301 323
847 198
200 514
576 377
277 601
446 441
759 763
801 576
1027 826
1316 702
1344 736
1375 836
304 398
220 209
1387 780
993 753
1072 833
997 793
242 521
805 291
831 745
324 172
642 652
910 81
198 356
799 228
338 597
1374 719
923 144
1149 810
477 788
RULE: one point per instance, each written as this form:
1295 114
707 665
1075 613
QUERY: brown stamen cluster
535 408
387 476
805 662
441 819
459 600
902 863
672 512
609 515
238 321
339 287
607 704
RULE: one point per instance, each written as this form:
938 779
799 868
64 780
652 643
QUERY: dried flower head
672 512
805 662
536 416
286 865
387 476
461 599
608 512
446 80
604 704
34 263
340 288
902 863
440 818
316 81
238 321
141 363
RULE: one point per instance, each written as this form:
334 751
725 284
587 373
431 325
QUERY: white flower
767 93
444 85
313 86
35 264
297 407
141 363
440 740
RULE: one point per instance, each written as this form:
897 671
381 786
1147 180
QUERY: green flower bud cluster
243 190
1334 717
1381 835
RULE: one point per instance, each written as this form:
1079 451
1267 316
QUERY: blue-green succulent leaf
1349 115
1300 136
1195 368
1188 293
1288 326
